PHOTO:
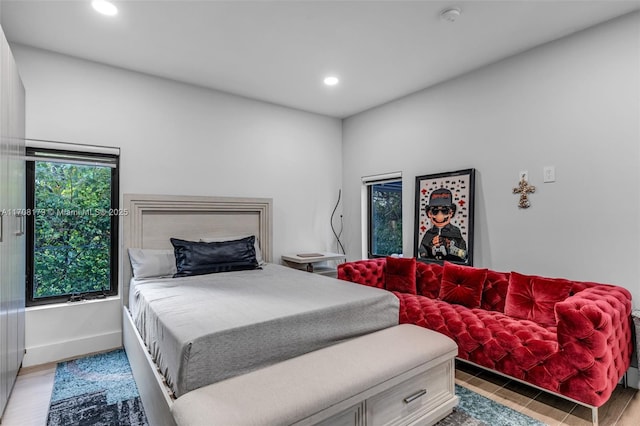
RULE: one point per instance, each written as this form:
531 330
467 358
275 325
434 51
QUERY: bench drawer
412 399
352 416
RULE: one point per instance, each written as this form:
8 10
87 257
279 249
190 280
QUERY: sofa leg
594 416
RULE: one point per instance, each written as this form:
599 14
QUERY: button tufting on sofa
582 356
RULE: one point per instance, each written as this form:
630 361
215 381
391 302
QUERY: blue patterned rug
475 410
96 390
100 390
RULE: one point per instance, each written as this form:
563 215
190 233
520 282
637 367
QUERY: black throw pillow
196 258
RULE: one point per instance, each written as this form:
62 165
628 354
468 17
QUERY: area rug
476 410
100 390
96 390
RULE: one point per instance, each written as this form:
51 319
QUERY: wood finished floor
29 401
623 409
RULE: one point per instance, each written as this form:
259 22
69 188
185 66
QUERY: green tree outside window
72 230
386 219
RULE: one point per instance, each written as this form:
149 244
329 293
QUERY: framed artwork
444 217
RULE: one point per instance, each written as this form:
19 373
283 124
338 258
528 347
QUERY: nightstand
314 262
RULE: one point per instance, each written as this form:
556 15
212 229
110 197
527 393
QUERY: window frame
32 158
370 185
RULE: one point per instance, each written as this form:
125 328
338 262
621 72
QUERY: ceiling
280 51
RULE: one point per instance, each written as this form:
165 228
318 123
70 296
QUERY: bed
184 333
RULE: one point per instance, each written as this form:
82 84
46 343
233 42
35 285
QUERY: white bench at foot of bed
398 376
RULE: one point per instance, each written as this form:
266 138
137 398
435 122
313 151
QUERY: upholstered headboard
153 219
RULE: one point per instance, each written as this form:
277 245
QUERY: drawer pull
415 396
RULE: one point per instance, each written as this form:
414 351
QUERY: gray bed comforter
207 328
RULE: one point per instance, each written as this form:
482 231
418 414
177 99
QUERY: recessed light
104 7
331 81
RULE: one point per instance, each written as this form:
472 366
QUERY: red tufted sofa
581 357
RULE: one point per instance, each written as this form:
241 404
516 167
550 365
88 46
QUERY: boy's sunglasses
436 210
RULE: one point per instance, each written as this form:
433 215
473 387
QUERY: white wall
178 139
574 104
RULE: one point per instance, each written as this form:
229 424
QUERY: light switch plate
549 174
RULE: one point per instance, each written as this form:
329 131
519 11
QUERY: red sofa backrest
367 272
428 277
494 292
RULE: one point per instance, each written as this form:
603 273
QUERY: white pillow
237 237
150 263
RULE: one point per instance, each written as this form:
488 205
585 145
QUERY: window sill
64 304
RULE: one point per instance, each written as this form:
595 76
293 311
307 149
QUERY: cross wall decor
524 189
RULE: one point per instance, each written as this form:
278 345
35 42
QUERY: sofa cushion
494 291
400 274
534 298
428 279
462 285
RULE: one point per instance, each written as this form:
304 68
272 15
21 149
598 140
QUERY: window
384 199
72 225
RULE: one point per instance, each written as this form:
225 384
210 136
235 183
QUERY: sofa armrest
594 331
369 272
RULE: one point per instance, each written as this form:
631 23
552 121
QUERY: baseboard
69 349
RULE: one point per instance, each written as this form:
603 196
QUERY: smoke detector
450 15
